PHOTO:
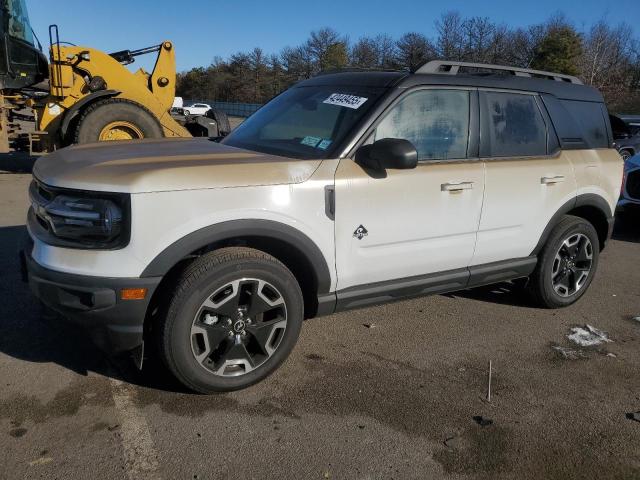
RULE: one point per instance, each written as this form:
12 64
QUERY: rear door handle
456 186
551 180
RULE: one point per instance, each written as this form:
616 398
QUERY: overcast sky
202 29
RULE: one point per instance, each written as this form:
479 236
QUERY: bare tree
450 42
605 56
386 48
297 62
364 53
608 60
258 64
413 49
327 48
374 52
277 77
478 34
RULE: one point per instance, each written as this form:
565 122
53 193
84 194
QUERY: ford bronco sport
347 190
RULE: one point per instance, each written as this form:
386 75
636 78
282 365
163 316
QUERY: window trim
553 139
376 117
485 149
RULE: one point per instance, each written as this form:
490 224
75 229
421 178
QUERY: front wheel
234 318
567 263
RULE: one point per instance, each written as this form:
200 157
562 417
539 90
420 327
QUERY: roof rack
331 71
452 68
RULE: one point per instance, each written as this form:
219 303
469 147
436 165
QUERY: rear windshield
305 122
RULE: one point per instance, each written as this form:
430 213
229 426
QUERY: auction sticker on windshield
344 100
324 144
310 141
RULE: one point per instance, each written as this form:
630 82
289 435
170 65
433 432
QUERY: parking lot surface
397 391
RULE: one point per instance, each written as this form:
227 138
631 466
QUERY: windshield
305 122
17 20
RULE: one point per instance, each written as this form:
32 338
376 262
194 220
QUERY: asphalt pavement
396 391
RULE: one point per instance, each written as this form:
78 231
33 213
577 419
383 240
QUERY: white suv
197 109
347 190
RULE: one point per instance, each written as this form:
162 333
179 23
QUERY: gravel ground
384 392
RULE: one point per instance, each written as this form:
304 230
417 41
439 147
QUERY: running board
430 284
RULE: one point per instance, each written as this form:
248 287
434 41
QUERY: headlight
80 219
84 218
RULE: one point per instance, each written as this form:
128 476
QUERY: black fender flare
229 230
75 109
584 200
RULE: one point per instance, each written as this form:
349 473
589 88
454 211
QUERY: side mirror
393 153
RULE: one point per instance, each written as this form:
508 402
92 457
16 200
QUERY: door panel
526 187
521 196
414 222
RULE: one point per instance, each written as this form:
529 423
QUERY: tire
626 155
548 285
187 113
208 351
103 113
221 119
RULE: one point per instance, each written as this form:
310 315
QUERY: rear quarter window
589 117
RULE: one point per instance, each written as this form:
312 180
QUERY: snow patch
588 336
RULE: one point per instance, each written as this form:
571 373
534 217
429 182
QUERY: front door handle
552 180
456 186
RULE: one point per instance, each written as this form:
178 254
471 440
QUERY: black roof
360 78
560 89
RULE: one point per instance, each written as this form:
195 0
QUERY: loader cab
22 63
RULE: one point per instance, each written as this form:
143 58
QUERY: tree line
603 55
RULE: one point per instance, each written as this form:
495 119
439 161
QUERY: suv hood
166 164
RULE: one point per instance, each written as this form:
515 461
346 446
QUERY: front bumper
93 303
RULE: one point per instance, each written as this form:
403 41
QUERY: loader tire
116 119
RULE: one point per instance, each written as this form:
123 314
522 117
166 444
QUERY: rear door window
513 125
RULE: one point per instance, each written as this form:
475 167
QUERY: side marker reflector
133 293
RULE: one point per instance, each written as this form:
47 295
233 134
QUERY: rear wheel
116 119
566 265
234 318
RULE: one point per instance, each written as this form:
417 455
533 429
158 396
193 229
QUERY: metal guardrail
230 108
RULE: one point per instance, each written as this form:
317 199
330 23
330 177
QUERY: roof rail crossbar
447 67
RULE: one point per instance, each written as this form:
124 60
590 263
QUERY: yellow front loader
93 96
85 95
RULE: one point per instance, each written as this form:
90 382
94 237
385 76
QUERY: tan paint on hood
166 164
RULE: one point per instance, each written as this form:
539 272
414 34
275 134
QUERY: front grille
39 194
44 193
40 197
633 184
43 223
